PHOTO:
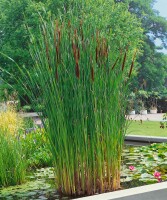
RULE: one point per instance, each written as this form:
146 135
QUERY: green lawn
148 128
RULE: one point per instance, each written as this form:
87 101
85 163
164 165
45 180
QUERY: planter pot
132 112
153 111
143 112
156 191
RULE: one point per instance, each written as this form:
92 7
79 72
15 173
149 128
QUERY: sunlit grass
148 128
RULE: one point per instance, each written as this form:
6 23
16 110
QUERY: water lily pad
146 175
127 179
42 197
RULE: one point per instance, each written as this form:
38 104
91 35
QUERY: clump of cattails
84 95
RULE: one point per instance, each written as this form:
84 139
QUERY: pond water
145 161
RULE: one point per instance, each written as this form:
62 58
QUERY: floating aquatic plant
149 162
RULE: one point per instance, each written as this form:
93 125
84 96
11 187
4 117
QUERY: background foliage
16 16
128 21
152 63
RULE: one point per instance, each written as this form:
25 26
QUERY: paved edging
145 139
149 117
156 191
32 114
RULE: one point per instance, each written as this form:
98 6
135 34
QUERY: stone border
143 140
31 114
157 191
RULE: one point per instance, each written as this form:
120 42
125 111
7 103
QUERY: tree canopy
132 23
17 15
153 63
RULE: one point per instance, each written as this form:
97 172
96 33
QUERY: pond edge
158 187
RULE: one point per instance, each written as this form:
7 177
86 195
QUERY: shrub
36 149
163 123
12 160
26 108
28 123
10 122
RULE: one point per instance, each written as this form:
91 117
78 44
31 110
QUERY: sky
161 6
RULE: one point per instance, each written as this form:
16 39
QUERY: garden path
148 117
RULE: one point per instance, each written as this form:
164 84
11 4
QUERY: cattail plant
83 90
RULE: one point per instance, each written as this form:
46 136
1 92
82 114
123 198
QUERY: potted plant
143 109
142 98
154 96
153 109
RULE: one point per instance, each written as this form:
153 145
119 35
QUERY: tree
16 16
153 64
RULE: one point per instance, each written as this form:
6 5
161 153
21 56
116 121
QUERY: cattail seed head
131 67
69 24
115 63
96 54
132 64
59 36
77 70
124 60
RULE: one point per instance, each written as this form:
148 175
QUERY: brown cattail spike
132 64
106 52
124 60
78 54
115 63
77 70
57 53
55 36
131 67
92 73
74 50
75 33
73 45
59 36
81 22
96 54
46 46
